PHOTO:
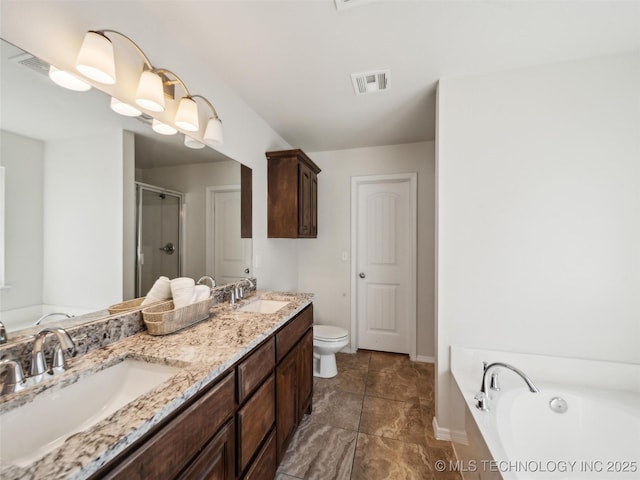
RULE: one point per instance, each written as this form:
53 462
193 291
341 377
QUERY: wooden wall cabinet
292 188
246 199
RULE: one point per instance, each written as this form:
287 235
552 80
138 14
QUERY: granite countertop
202 352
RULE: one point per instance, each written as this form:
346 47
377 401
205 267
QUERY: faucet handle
482 401
14 378
493 384
3 333
58 363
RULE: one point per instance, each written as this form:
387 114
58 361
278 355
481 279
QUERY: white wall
23 159
53 31
193 180
539 214
321 269
83 221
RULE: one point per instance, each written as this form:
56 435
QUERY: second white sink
263 306
32 430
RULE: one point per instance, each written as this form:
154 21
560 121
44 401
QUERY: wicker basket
164 318
129 305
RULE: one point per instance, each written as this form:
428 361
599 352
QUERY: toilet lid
329 332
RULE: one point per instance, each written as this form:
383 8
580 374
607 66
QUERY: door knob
168 248
361 275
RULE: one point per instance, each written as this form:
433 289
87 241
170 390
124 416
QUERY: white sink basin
32 430
263 306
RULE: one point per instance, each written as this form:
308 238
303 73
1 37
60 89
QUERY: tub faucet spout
482 397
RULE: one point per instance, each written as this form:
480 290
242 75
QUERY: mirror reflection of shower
159 235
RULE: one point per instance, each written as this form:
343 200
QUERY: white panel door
231 253
385 264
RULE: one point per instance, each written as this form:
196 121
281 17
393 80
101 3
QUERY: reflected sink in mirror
34 429
263 306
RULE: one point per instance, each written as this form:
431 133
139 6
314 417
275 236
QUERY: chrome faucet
3 334
14 379
208 278
482 397
58 364
47 315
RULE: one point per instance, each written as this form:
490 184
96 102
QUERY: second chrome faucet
58 361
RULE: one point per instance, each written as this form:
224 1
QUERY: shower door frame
159 190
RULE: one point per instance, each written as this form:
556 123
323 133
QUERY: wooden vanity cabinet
292 188
238 428
179 443
294 377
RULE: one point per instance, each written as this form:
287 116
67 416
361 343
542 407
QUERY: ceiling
291 61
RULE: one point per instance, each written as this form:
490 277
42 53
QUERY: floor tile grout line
355 449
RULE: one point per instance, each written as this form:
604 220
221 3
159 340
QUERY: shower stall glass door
159 244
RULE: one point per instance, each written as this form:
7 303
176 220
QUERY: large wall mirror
98 205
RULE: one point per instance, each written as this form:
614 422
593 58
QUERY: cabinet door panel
305 176
287 401
305 374
216 461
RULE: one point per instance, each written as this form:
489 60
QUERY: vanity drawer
256 368
170 449
290 334
264 465
255 420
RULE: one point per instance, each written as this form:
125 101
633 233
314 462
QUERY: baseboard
425 359
457 436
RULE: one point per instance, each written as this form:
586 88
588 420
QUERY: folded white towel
202 292
182 290
161 290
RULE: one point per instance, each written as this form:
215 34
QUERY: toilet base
324 366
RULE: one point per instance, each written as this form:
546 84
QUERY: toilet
327 341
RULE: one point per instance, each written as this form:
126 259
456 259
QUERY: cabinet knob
361 275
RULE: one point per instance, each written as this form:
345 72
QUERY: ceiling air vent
34 63
370 82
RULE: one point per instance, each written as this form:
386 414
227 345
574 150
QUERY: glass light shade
67 80
213 132
95 59
124 108
192 142
187 115
150 93
163 128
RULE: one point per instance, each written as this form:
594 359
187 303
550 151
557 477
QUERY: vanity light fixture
213 133
67 80
96 60
124 108
192 142
150 94
187 115
162 128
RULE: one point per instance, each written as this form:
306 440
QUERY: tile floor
371 422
